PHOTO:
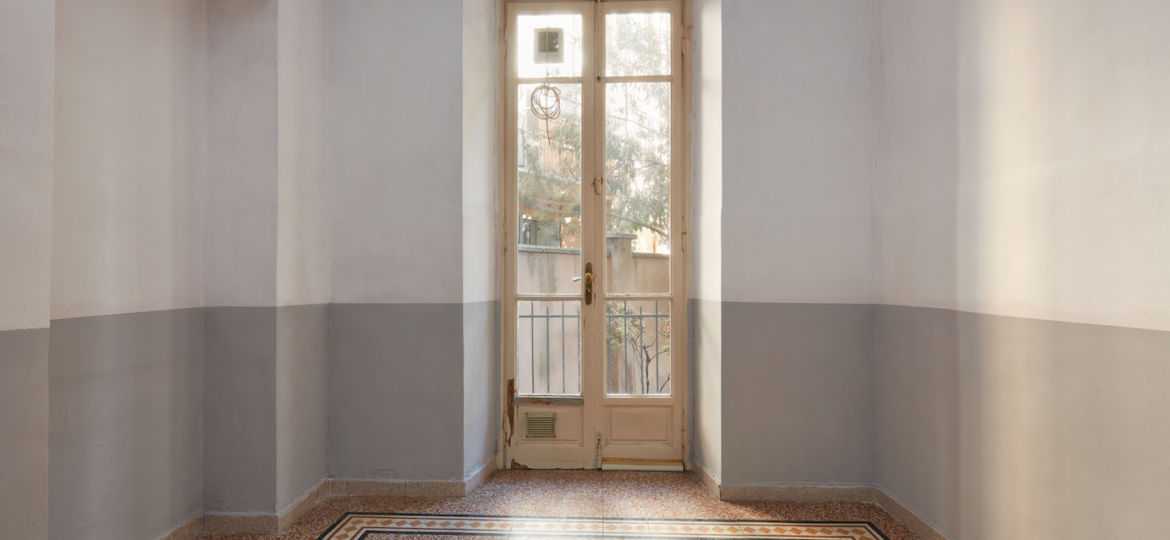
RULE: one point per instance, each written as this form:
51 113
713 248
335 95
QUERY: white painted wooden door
593 197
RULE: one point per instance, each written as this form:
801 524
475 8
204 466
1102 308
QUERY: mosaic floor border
359 525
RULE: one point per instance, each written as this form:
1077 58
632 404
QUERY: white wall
302 261
26 185
125 358
1025 163
480 259
479 146
302 252
798 150
1065 160
1023 177
242 176
706 286
26 163
916 182
130 125
394 151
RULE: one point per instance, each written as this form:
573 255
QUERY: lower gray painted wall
302 389
998 427
395 392
24 433
797 393
126 394
481 384
705 402
265 414
239 415
990 427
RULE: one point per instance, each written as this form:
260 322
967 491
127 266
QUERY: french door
593 202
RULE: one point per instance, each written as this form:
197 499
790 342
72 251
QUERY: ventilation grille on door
540 425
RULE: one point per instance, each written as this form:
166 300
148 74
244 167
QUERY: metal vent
540 425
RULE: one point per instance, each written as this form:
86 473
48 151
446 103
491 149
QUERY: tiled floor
587 494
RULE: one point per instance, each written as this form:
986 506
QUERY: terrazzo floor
584 494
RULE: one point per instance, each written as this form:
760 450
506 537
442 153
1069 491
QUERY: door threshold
628 464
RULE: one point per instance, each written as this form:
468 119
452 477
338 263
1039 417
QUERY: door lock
588 283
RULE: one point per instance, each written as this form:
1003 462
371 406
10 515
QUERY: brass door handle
588 283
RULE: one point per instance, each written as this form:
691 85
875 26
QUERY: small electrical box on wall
549 49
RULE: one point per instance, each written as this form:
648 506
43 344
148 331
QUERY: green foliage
637 145
632 337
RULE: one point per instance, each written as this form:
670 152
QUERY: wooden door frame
681 119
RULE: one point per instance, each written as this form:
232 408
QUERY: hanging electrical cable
545 100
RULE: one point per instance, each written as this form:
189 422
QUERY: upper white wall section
706 223
130 125
302 259
1026 160
917 168
241 214
798 150
394 151
1064 205
706 220
26 162
480 141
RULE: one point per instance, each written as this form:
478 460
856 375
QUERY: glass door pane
637 44
637 179
638 347
548 190
548 348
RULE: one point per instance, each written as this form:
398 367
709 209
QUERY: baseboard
706 478
477 478
260 523
302 504
227 523
397 488
186 531
907 516
250 523
801 493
